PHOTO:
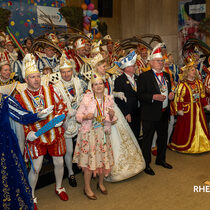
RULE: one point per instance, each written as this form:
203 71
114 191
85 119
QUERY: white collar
128 76
157 71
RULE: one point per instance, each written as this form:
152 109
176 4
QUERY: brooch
127 82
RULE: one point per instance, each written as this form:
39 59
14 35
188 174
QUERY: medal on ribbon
100 111
161 83
37 100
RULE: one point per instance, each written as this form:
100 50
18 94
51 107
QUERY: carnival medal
100 111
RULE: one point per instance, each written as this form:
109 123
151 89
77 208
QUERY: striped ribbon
30 157
15 41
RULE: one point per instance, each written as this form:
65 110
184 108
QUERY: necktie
160 74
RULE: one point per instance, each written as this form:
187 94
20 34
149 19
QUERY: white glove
58 124
31 136
120 95
72 113
45 112
207 107
180 112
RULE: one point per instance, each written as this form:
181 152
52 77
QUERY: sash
50 125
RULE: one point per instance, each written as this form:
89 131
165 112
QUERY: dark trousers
149 128
135 125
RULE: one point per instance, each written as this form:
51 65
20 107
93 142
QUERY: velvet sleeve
18 113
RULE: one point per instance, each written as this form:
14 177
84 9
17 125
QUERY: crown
95 77
29 65
96 60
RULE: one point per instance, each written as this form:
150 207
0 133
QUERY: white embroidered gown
128 158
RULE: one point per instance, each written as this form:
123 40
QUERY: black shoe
72 181
149 171
164 164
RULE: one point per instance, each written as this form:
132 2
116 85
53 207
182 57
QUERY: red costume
191 132
53 140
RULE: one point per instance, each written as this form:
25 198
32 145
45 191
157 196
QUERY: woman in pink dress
93 151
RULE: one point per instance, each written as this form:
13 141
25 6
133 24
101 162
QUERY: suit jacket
122 84
148 86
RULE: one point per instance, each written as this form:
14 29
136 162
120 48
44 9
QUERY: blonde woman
191 133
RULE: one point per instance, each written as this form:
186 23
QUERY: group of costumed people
102 100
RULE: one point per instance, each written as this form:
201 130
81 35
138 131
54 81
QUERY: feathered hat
191 62
108 39
29 65
95 47
66 63
52 37
128 60
89 35
2 36
8 40
80 43
156 52
142 47
190 58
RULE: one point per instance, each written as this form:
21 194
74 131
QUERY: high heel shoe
105 192
91 197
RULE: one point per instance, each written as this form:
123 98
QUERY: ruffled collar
6 80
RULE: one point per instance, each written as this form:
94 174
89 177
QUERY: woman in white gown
128 158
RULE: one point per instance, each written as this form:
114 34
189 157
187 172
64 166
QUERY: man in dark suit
155 94
127 83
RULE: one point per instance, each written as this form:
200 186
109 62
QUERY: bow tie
160 74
